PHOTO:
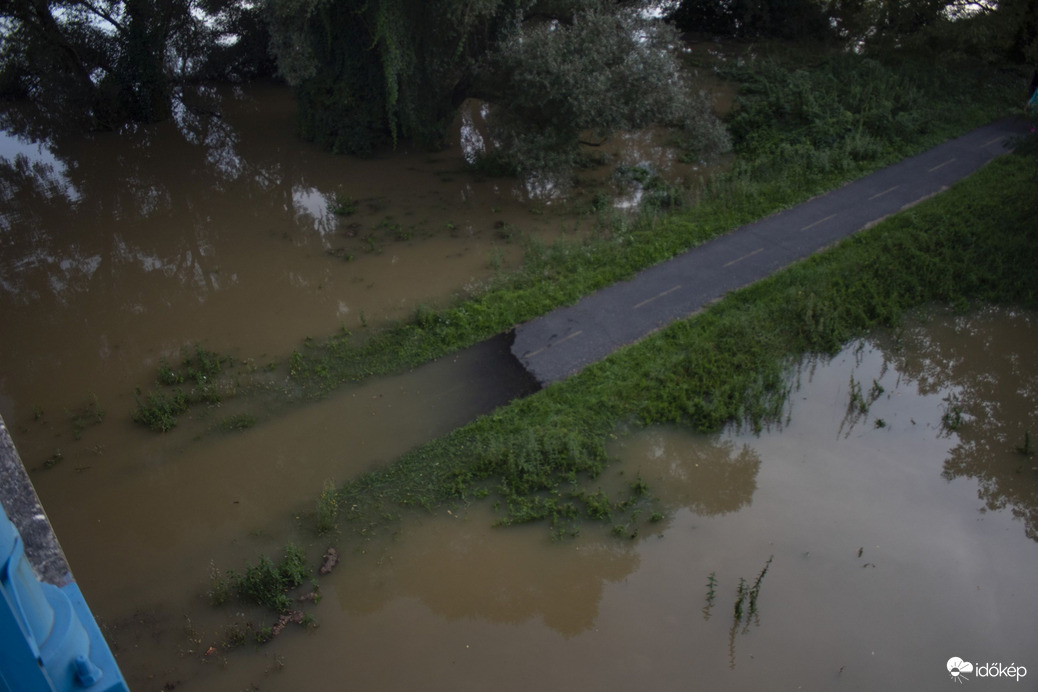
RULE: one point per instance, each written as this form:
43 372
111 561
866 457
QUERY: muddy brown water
220 230
893 547
897 530
897 534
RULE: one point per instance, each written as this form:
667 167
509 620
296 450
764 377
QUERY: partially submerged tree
368 72
596 74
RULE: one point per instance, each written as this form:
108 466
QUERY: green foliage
327 509
367 73
100 64
599 506
167 375
952 418
267 583
844 114
600 72
341 205
200 371
159 410
219 586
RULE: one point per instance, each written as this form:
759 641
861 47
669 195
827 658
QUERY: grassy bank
539 456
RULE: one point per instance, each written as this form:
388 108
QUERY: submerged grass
539 456
196 381
266 583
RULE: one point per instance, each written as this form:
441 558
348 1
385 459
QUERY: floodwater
882 537
121 249
877 538
893 545
219 228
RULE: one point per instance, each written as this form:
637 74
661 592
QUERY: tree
367 72
597 73
371 72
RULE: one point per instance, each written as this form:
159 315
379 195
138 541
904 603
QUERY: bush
268 584
601 73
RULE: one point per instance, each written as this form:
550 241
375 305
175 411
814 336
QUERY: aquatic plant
88 415
200 369
711 593
754 592
159 410
237 422
219 586
341 205
598 504
952 418
1027 448
327 512
267 583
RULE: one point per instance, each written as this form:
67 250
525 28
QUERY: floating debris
291 616
331 558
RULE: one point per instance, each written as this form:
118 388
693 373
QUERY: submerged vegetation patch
269 585
197 380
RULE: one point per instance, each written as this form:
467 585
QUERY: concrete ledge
23 507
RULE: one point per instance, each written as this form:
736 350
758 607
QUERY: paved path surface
563 342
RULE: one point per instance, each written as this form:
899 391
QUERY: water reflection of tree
710 475
113 195
462 569
465 570
986 362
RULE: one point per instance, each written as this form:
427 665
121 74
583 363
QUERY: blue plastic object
49 641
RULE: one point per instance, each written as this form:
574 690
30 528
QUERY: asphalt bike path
564 341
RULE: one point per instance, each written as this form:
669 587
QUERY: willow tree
370 70
375 71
